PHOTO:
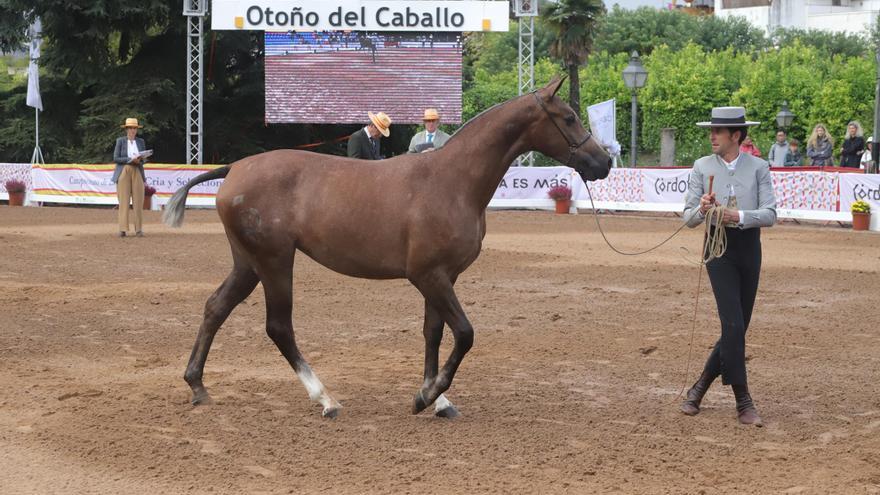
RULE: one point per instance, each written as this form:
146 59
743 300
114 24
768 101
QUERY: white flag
602 121
33 93
35 48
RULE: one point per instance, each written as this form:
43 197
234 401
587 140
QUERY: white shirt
132 149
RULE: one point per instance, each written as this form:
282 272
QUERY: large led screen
336 77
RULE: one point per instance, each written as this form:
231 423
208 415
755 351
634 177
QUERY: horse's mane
480 115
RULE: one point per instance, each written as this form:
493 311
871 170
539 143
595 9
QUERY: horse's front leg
439 295
433 331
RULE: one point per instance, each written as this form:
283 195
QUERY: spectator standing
793 157
432 137
867 161
853 146
364 143
778 150
749 147
129 176
819 147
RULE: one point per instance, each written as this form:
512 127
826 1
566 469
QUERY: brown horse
418 216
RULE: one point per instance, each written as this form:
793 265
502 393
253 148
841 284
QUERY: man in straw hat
364 143
432 137
129 176
741 183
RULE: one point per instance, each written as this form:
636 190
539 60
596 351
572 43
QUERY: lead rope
714 246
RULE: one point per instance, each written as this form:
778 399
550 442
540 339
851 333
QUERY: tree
574 24
644 29
829 43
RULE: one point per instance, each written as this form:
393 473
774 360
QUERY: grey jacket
440 139
820 156
751 182
776 157
120 156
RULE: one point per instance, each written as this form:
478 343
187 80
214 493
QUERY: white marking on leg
441 403
315 388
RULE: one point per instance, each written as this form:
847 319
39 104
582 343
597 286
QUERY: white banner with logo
808 195
665 185
359 15
854 187
91 184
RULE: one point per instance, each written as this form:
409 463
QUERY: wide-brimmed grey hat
728 117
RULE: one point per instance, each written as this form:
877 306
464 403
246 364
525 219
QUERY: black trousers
734 278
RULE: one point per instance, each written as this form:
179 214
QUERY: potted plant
562 196
149 191
17 190
861 212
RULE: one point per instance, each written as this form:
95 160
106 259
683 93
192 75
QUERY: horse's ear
554 85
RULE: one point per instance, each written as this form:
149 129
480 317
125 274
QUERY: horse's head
559 134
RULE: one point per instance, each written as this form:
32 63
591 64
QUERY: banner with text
91 184
359 15
854 187
533 183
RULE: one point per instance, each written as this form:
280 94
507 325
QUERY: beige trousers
130 188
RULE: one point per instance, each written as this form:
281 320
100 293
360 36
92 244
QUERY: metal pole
632 152
875 151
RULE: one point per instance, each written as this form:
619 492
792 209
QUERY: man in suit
364 143
742 184
432 137
129 176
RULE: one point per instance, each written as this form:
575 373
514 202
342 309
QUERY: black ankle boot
746 412
691 405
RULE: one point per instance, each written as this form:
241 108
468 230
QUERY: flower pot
16 198
861 220
148 202
562 206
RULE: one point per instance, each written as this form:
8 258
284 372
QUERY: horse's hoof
202 400
331 412
419 403
447 412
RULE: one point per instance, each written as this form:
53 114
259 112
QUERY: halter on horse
415 216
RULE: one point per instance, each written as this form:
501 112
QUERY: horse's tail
173 214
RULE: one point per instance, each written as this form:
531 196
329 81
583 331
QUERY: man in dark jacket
364 143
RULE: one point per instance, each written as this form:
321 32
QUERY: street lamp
784 117
634 76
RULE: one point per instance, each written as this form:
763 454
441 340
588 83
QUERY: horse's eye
570 120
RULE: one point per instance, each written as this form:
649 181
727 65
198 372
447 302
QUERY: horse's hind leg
235 289
433 331
278 285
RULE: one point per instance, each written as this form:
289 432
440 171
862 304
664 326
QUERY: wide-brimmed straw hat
130 122
728 117
431 114
382 122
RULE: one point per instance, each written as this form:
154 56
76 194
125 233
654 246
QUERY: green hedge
685 83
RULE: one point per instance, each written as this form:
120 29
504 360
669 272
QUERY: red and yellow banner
92 183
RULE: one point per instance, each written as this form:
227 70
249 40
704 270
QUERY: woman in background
129 177
853 146
819 147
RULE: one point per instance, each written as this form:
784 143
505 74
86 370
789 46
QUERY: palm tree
574 24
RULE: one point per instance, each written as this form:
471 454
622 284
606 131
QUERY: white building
851 16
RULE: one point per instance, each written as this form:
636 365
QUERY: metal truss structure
195 11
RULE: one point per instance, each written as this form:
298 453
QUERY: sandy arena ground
571 386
